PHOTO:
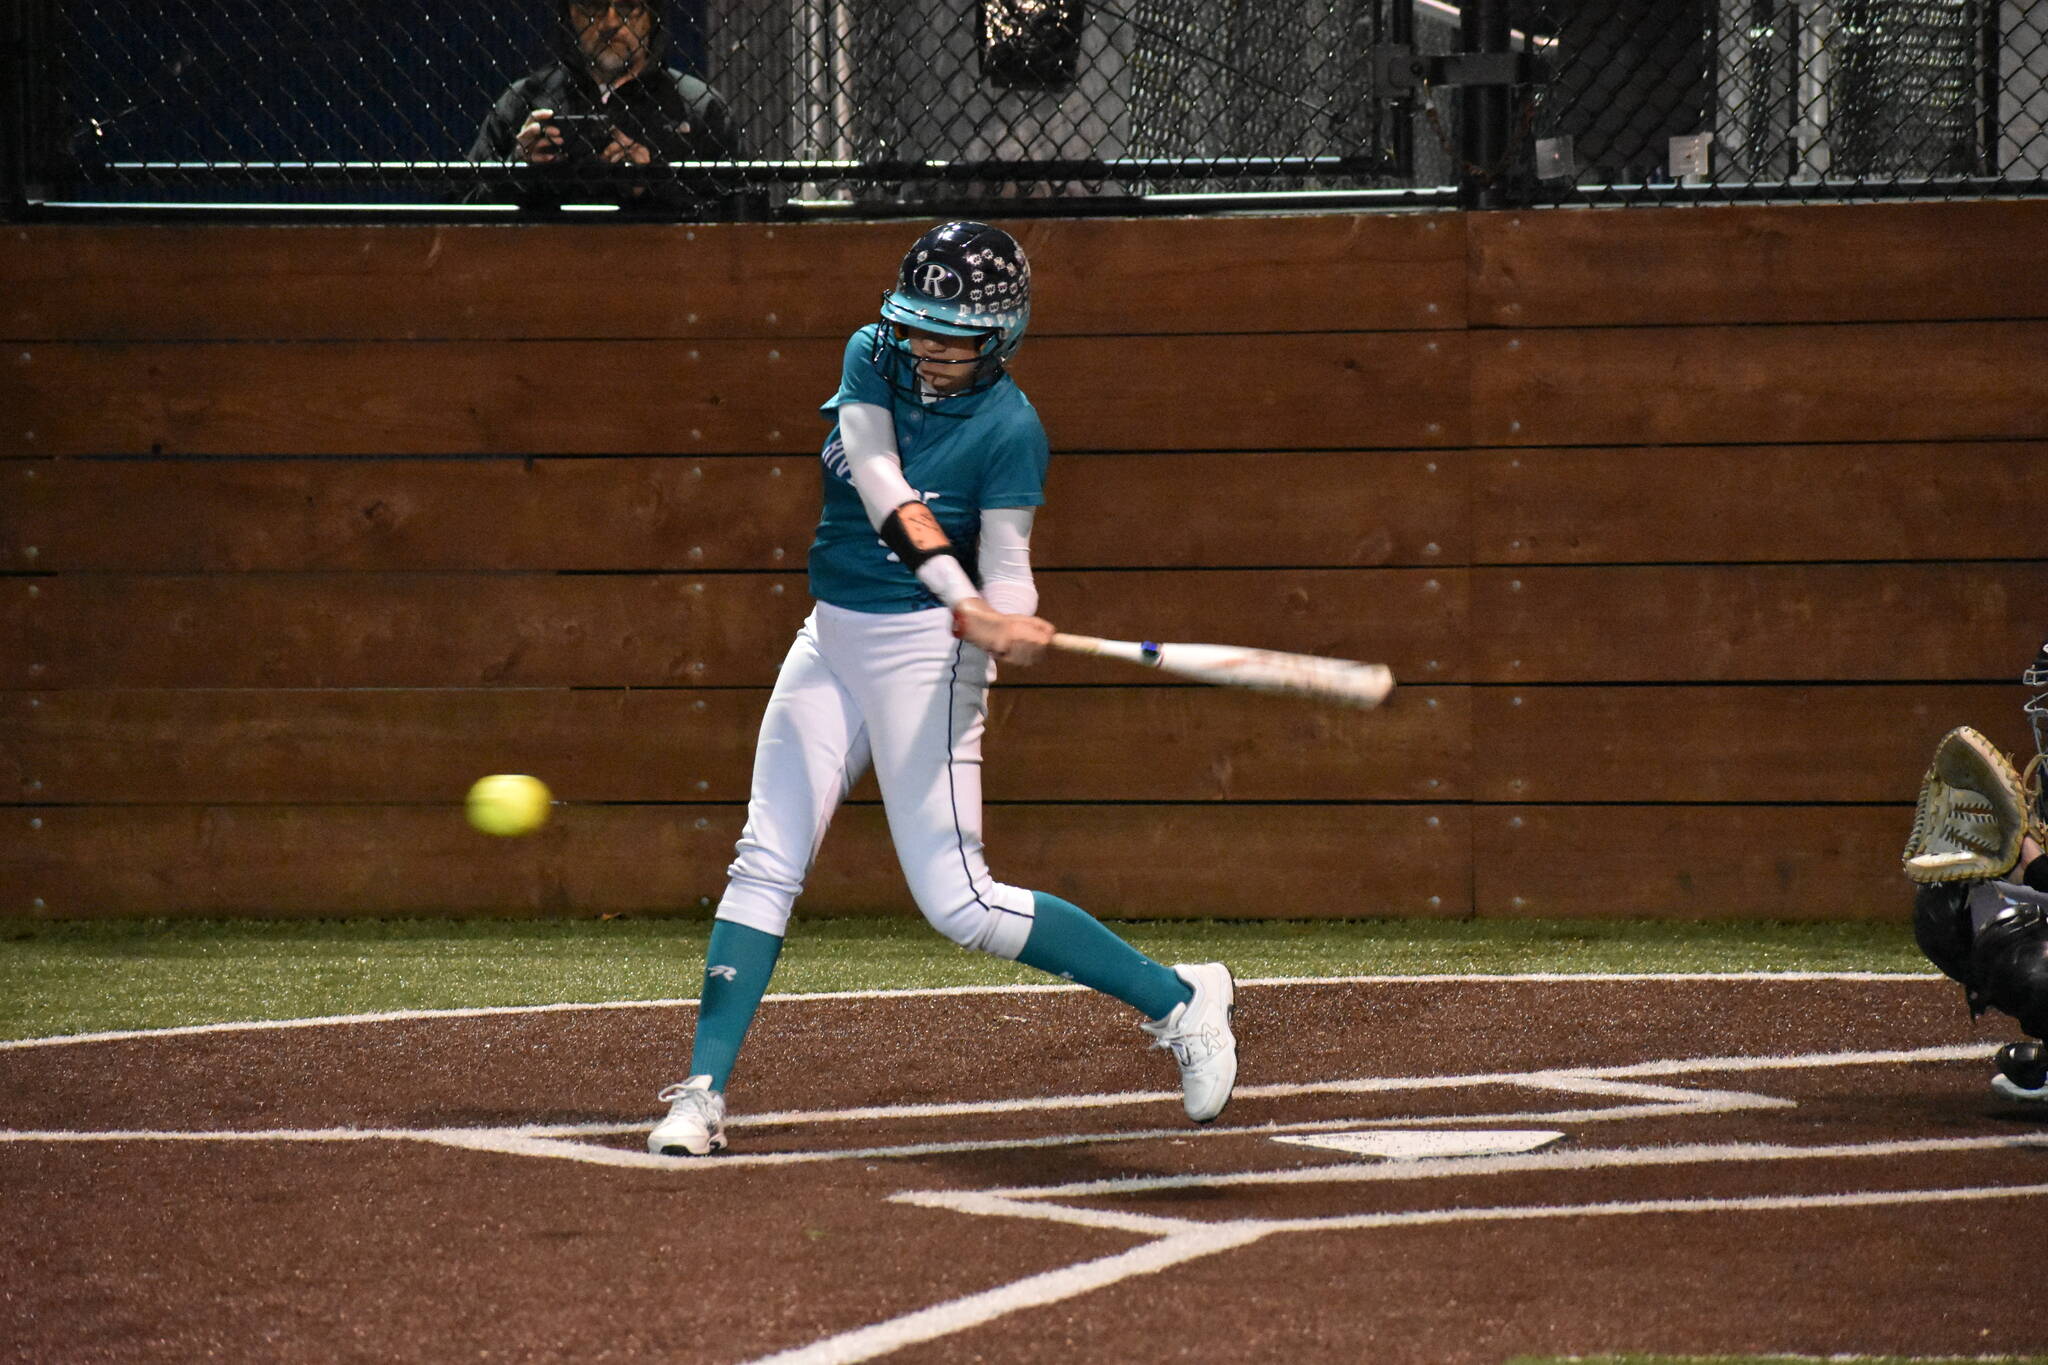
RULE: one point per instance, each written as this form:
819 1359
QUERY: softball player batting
921 570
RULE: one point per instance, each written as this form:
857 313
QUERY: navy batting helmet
961 280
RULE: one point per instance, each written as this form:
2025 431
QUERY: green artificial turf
61 977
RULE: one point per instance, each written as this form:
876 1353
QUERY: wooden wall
1687 533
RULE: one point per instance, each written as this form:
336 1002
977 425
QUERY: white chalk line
1034 1291
219 1135
919 992
1460 1168
1180 1246
532 1143
553 1141
1177 1241
521 1144
1127 1099
547 1139
1744 1203
1564 1077
992 1203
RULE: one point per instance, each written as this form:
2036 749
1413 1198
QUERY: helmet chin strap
893 356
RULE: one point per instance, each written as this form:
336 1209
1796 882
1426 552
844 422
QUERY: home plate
1418 1144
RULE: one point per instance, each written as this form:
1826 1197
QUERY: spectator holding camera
607 100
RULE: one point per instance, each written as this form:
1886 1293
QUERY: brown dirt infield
475 1188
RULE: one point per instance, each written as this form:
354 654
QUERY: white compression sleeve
1005 560
946 579
869 434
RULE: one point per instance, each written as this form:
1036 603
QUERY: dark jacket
676 117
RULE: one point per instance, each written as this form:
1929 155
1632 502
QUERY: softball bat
1343 682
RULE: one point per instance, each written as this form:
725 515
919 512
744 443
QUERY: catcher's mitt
1971 816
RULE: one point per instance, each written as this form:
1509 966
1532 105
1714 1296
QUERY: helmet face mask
2036 677
2037 717
965 280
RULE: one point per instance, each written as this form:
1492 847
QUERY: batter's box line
550 1144
1662 1101
1362 1085
513 1143
555 1141
1547 1076
1178 1242
1460 1168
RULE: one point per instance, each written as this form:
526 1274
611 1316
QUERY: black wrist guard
896 536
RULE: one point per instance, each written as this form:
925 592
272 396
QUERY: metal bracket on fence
1398 69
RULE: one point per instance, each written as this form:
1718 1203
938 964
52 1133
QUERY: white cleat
695 1125
2006 1088
1199 1037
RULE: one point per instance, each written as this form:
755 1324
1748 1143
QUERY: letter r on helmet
937 281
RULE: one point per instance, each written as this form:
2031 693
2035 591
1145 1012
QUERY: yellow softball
508 804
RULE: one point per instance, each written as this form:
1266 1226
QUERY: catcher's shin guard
1941 926
2010 966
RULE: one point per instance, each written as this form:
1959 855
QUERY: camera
584 136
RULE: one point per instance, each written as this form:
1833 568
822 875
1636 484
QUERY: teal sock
737 966
1068 941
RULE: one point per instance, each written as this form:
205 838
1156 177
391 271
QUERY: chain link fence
1794 99
758 108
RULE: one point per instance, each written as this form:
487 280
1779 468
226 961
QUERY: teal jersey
979 450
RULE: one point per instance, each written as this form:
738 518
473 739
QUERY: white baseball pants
898 691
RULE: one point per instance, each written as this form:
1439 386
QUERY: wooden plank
1726 744
418 398
501 282
97 861
1308 391
1320 272
287 746
397 630
1326 391
1821 263
1693 862
1732 504
210 515
1758 623
1130 860
1742 385
619 630
1339 508
1219 744
227 282
1307 862
1216 509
